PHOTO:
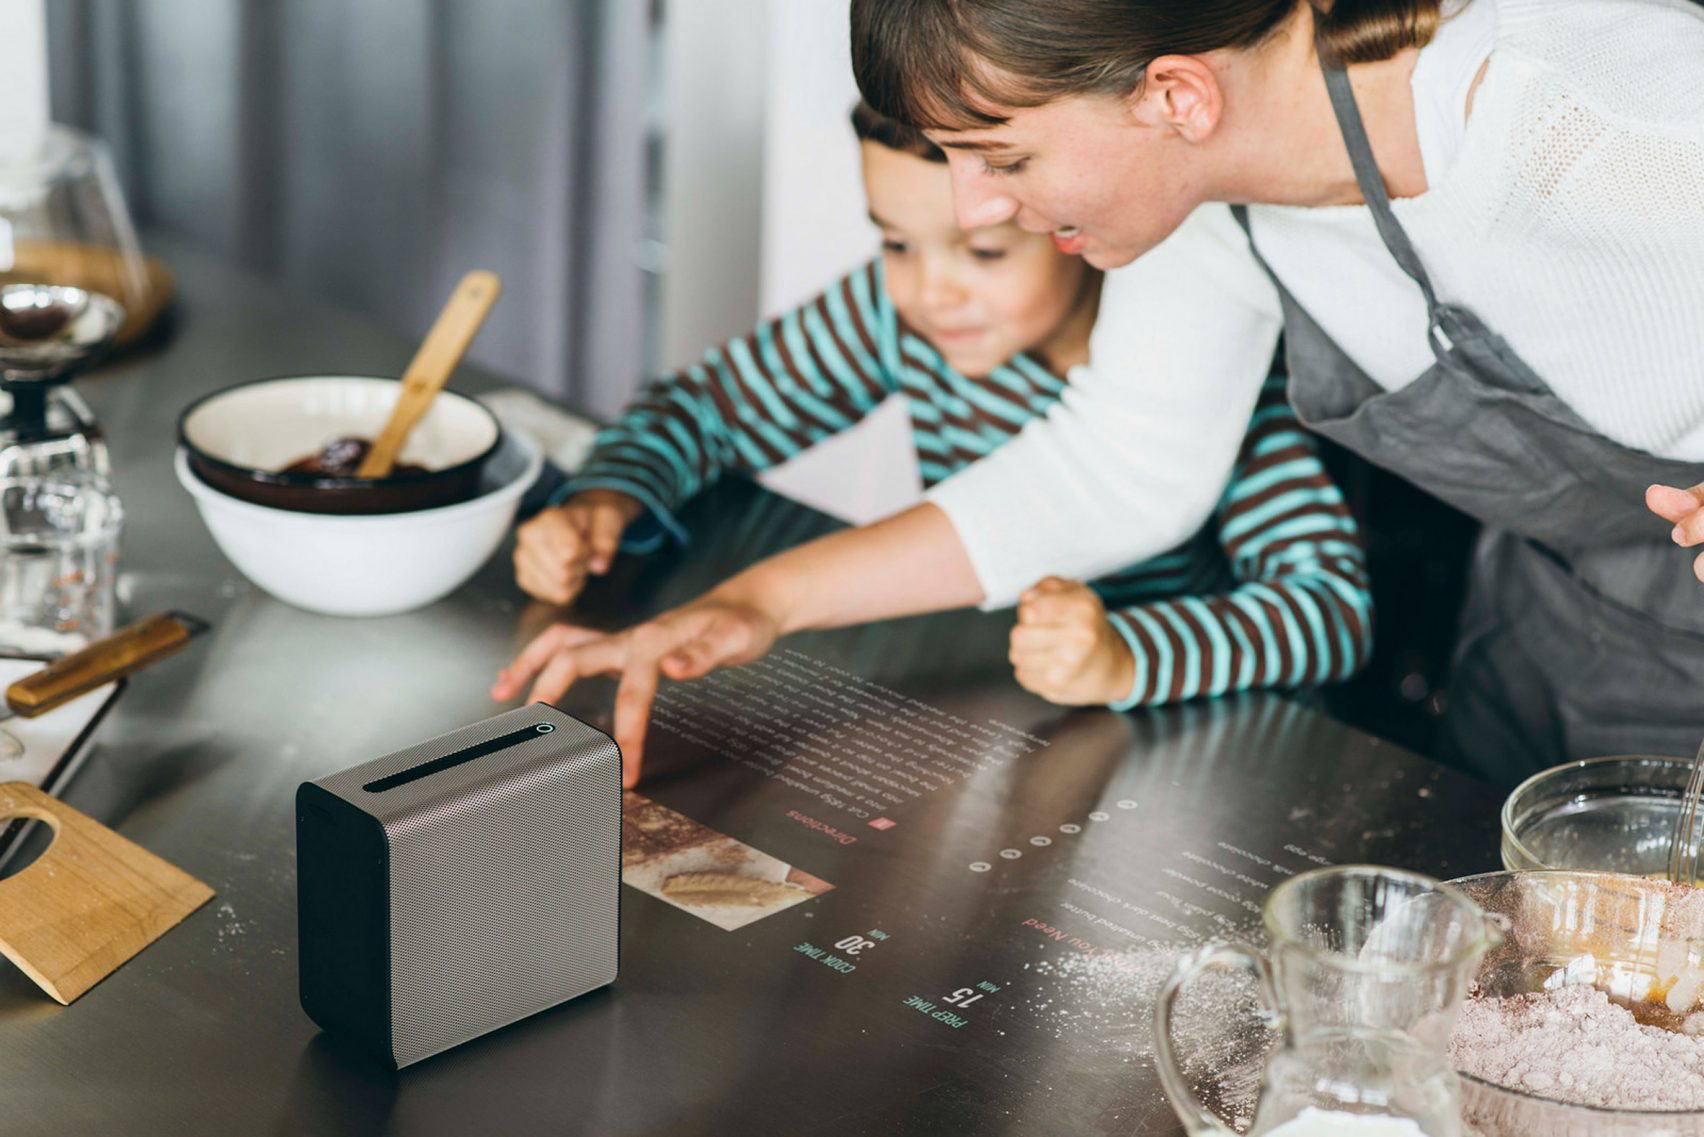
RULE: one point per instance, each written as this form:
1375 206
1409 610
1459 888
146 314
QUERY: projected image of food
698 870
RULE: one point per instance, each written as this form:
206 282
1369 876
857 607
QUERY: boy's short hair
872 126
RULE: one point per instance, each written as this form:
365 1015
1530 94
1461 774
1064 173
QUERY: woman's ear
1180 93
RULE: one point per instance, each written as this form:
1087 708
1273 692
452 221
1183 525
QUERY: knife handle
125 651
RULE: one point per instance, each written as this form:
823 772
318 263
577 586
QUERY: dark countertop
1136 836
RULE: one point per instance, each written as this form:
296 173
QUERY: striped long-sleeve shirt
1271 593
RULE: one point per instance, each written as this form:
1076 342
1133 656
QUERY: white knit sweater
1570 217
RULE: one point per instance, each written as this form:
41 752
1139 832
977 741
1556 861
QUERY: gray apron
1583 630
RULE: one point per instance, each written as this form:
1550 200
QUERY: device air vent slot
460 757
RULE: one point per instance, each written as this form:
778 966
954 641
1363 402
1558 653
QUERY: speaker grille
505 876
505 907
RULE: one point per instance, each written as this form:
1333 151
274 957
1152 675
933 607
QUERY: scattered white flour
1573 1044
1332 1123
1218 1032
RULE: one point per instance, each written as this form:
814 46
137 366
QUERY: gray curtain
372 151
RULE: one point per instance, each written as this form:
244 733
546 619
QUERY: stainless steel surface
706 1031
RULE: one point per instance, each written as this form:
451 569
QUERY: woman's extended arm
1301 612
1129 464
911 562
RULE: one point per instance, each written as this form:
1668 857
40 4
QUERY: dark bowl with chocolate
295 442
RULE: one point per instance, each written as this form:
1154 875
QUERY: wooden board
91 900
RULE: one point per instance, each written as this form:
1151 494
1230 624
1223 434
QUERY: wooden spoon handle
430 368
126 651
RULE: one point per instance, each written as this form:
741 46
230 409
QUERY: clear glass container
1366 971
1612 814
70 271
1610 930
59 539
63 221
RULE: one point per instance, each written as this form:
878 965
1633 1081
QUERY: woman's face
980 296
1105 177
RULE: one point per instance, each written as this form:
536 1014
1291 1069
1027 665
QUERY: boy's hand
1066 650
1686 509
556 549
682 643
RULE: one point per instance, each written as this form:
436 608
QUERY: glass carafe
1366 971
70 270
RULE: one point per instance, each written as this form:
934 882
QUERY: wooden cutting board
91 900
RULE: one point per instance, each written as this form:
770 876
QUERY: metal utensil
1683 847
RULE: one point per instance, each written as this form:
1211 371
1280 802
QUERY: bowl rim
517 486
1611 1110
1506 816
329 481
1281 936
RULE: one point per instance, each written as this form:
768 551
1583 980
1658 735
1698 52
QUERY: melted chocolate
341 457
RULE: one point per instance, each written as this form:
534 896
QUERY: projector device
452 888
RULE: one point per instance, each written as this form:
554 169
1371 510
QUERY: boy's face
979 296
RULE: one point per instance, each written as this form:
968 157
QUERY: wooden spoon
125 652
430 368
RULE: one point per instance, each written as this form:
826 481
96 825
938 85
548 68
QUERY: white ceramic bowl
369 565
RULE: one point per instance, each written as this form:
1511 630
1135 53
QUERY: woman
1521 332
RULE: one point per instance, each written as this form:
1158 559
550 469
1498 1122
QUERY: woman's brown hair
945 64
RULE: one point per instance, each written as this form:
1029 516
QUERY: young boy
977 329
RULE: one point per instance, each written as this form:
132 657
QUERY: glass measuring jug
58 562
1366 971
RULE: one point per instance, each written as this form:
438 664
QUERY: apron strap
1372 182
1378 202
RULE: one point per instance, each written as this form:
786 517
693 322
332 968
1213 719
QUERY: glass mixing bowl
1605 929
1610 814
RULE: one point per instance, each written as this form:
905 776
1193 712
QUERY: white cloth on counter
565 437
47 738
